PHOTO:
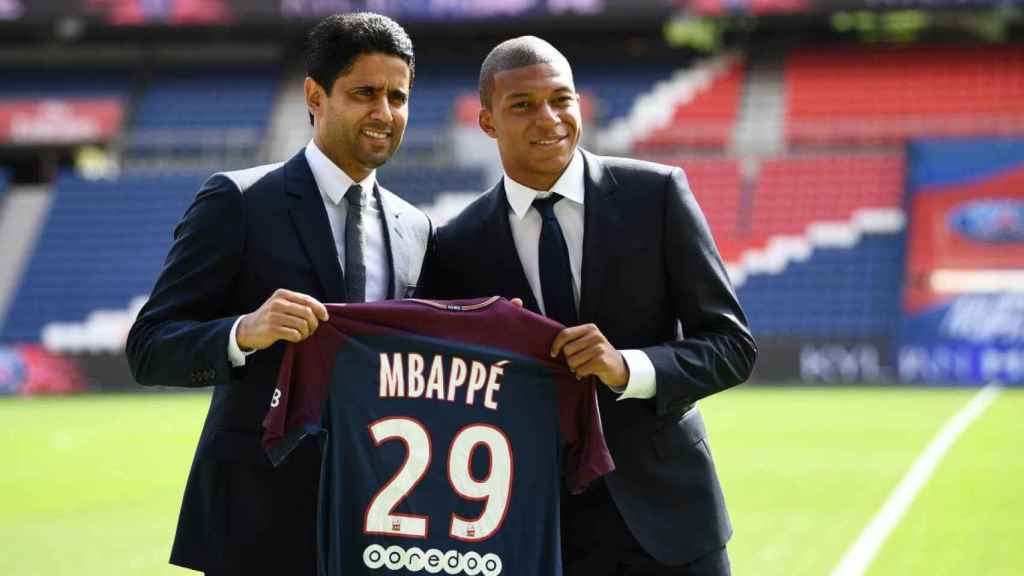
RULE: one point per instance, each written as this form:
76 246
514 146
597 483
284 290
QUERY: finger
289 334
584 342
582 357
564 337
306 300
593 367
318 308
517 302
296 323
302 311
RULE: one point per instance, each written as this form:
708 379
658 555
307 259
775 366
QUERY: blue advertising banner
964 297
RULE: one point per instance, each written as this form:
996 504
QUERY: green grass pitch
91 484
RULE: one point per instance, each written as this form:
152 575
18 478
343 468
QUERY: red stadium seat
706 121
876 95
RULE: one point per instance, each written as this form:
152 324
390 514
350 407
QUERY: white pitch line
857 559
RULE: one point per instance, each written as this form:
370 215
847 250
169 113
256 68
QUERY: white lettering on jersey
405 375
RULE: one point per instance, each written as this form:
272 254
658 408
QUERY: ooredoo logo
432 561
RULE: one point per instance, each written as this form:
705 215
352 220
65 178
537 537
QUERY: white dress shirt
525 222
334 183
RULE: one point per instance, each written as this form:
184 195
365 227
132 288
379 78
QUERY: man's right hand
286 315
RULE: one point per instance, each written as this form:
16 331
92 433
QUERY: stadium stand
877 95
440 79
617 93
823 253
801 199
198 110
717 184
796 191
706 120
838 292
102 245
814 239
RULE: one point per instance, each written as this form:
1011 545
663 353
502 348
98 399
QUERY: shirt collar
569 185
333 181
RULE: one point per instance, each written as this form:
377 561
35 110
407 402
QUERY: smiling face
534 114
360 124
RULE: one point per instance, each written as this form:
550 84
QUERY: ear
314 96
486 121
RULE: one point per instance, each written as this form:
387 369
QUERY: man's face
535 117
359 125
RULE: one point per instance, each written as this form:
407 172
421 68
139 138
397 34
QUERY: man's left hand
589 353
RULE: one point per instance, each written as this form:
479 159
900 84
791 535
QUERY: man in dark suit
618 251
253 258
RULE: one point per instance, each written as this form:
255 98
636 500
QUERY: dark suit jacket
649 266
246 234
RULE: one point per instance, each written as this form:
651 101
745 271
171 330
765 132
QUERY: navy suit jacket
246 234
652 280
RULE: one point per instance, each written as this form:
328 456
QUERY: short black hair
336 41
516 53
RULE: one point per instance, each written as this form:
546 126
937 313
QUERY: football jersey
447 429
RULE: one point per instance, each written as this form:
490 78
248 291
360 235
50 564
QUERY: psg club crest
990 221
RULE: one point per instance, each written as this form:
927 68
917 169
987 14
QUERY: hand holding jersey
588 353
286 315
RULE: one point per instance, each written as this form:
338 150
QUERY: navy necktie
555 270
355 269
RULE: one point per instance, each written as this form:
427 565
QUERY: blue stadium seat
195 110
836 293
103 243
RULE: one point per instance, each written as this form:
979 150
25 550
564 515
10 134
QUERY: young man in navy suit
253 258
619 252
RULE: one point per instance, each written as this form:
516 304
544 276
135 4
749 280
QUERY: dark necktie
355 268
555 271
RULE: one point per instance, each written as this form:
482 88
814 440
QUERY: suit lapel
393 238
314 229
602 226
508 269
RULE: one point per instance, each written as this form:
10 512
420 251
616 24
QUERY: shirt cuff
235 354
641 382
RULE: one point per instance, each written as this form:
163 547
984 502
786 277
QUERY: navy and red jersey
447 430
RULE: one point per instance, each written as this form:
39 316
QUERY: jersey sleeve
295 407
585 453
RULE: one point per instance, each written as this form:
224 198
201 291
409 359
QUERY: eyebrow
379 88
515 95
